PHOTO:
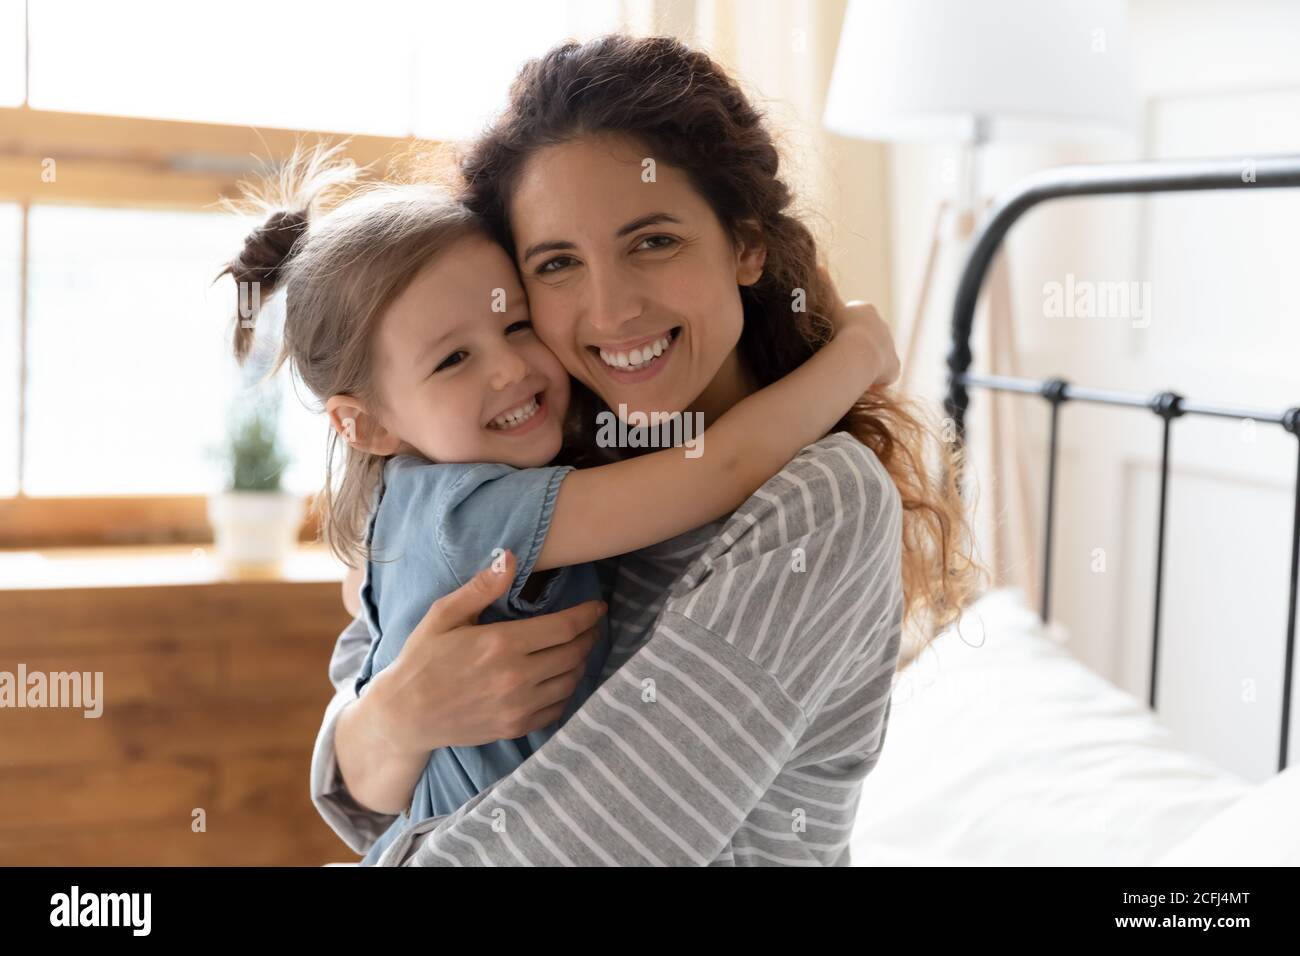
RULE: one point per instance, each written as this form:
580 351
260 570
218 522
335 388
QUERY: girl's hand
860 320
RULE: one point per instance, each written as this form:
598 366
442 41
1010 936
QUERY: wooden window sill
155 566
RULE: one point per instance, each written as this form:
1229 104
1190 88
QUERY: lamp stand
1009 480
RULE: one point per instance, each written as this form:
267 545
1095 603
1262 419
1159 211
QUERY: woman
747 693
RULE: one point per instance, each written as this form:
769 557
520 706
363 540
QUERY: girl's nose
508 367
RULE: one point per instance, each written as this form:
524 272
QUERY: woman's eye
554 265
519 326
450 360
657 242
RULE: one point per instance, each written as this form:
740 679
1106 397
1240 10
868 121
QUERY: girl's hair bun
268 247
309 181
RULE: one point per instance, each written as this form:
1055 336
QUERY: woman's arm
671 754
628 505
352 582
356 825
457 684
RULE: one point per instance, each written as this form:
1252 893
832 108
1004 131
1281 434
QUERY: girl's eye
657 242
450 360
554 265
518 326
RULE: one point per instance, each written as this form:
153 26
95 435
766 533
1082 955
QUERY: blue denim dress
433 527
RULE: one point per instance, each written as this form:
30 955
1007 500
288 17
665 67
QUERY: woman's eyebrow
554 245
549 246
650 220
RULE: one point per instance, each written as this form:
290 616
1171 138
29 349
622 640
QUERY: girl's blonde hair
341 250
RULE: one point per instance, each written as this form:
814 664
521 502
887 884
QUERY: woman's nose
613 299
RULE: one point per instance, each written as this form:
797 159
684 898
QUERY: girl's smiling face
460 372
631 278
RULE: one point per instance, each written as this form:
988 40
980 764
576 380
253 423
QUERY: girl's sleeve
456 519
670 755
442 525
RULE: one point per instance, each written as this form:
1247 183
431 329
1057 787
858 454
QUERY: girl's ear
751 253
358 427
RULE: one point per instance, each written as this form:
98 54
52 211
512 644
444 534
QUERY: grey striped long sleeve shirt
746 696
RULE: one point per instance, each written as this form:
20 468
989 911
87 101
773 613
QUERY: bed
1004 749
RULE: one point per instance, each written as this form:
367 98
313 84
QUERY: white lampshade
930 69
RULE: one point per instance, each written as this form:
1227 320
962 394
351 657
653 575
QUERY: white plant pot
254 527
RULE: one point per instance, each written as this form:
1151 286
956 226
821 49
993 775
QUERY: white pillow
1004 749
1260 829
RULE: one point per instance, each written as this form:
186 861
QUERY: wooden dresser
214 685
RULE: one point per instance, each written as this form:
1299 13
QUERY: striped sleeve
669 757
357 826
806 571
658 768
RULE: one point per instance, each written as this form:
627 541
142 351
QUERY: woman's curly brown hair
687 112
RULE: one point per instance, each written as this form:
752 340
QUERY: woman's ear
751 253
360 429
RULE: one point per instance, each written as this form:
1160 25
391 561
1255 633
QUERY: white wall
1217 79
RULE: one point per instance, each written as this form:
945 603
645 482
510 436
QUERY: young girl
411 327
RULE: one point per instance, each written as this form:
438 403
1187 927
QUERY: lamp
936 69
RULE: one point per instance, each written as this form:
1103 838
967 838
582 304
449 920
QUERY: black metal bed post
1054 390
1168 406
1291 422
1269 172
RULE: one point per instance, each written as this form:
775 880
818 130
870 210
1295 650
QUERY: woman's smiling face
631 279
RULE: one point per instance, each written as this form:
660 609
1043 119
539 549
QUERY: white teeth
636 358
516 416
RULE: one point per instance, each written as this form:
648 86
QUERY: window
124 123
389 67
12 56
130 373
297 65
129 370
10 289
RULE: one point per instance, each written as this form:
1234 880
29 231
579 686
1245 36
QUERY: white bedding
1003 749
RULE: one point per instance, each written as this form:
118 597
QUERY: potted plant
254 521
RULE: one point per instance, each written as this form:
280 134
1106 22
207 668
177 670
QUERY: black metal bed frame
1271 172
